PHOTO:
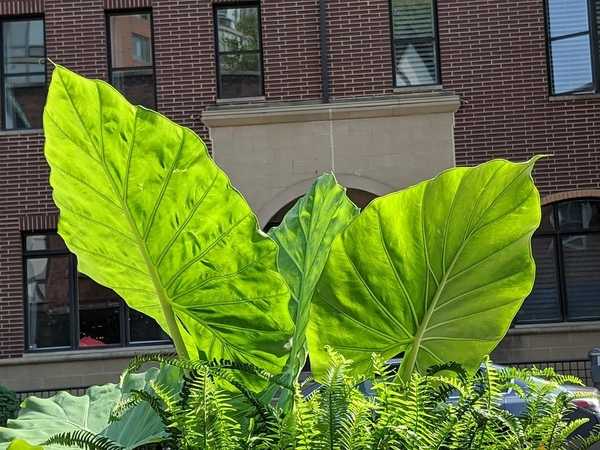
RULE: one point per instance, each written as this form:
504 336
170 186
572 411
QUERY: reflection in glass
581 254
415 64
579 215
144 328
40 242
239 53
23 47
571 57
48 302
99 314
131 40
240 75
24 98
571 64
414 42
136 85
24 73
543 304
547 222
238 29
567 17
412 18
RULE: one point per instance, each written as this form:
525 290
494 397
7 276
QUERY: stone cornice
227 116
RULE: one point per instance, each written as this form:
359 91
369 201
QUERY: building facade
384 93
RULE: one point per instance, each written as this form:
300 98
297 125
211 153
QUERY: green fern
444 409
84 440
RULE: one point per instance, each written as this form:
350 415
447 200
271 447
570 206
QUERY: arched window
566 248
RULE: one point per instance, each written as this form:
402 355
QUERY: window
68 310
130 56
23 73
239 54
573 45
415 50
567 254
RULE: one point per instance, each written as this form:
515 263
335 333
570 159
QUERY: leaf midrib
163 299
423 327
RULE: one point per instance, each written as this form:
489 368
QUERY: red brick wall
360 48
185 60
291 49
23 190
494 56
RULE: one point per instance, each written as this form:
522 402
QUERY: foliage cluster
431 411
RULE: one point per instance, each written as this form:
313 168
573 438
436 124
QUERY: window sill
85 355
562 98
418 89
21 131
562 327
235 101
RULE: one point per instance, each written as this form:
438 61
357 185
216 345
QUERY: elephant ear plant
435 272
150 215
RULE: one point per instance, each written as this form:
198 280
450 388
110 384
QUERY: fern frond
83 439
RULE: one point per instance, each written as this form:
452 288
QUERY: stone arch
358 187
570 195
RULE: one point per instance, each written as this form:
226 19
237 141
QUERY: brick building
384 92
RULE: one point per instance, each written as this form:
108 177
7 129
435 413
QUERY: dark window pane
571 65
240 75
415 63
131 40
412 18
238 29
581 256
41 242
567 17
137 85
24 98
24 47
144 328
579 215
543 304
48 302
99 314
547 223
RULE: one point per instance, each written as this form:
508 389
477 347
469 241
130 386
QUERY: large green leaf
436 271
150 215
304 239
42 418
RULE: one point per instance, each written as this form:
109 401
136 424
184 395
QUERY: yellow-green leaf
435 272
150 215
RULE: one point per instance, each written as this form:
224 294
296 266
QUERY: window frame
217 53
130 12
557 235
4 76
436 47
594 50
124 310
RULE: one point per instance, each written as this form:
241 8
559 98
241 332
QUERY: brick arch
568 195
